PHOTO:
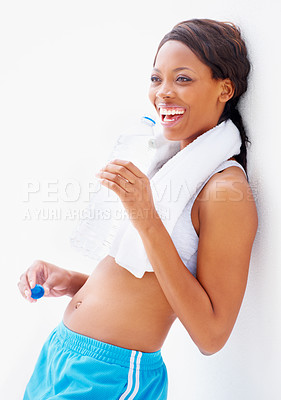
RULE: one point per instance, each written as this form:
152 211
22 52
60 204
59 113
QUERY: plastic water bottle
137 144
94 235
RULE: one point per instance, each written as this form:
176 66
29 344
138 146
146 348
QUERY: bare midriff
115 307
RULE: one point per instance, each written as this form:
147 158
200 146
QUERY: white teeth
170 111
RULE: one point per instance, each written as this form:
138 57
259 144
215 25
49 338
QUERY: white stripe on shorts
130 376
137 378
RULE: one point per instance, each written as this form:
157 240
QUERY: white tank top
184 232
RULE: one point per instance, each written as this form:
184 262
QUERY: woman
109 344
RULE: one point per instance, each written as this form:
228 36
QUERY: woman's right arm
55 280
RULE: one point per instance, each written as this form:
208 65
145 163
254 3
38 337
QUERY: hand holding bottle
95 235
133 189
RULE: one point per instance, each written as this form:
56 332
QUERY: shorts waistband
110 353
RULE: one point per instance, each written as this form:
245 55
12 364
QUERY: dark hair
220 46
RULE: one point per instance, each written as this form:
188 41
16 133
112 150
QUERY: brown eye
155 78
183 79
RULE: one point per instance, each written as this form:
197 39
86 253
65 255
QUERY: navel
78 304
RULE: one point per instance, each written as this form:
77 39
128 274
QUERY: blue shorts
74 366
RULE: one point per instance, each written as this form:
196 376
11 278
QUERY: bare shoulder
227 198
229 183
225 190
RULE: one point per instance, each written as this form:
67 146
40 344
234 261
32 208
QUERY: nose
165 91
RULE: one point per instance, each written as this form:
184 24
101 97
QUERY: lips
170 114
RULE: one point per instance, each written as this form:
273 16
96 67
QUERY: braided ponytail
231 112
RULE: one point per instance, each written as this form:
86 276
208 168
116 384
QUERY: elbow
208 352
212 346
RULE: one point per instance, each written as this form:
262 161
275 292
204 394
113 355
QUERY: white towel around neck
180 174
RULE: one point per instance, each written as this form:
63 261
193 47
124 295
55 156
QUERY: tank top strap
221 167
227 164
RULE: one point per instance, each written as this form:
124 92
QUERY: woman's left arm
207 305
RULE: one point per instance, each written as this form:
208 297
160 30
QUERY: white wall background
72 75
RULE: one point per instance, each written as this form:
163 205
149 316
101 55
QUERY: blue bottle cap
148 119
37 292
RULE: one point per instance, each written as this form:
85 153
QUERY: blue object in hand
37 292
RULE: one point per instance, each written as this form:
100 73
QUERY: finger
31 277
47 289
113 186
35 273
122 171
130 166
24 289
116 179
31 300
50 283
23 286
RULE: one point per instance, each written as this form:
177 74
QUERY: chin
170 135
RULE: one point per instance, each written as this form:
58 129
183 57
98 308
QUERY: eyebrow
176 69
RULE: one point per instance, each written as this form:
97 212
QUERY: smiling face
188 100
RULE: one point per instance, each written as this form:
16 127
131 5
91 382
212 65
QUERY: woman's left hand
133 189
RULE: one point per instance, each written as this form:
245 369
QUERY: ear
227 90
